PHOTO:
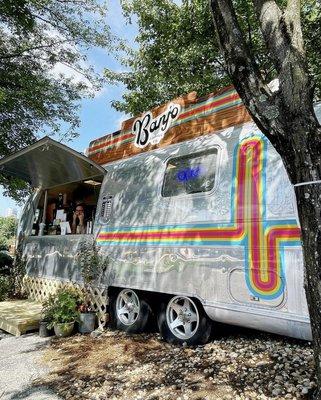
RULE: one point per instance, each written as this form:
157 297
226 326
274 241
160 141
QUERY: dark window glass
194 173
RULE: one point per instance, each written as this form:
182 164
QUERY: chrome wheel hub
182 317
127 307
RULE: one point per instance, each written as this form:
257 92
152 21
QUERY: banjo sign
149 130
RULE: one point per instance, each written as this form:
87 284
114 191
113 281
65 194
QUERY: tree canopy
177 53
39 41
177 50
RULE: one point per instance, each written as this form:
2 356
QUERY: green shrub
8 227
89 261
6 260
62 307
6 287
4 244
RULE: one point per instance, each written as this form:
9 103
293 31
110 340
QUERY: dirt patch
239 366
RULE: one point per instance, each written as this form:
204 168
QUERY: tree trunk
301 154
309 209
287 119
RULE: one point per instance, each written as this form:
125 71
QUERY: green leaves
6 287
16 13
44 71
61 307
8 228
89 261
177 54
311 25
177 50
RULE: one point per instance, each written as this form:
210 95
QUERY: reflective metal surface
217 274
54 256
182 317
127 307
149 242
48 163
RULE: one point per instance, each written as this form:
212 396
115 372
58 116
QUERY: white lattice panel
38 289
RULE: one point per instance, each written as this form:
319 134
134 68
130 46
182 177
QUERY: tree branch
293 15
283 37
56 26
75 69
282 113
240 64
249 31
21 53
270 17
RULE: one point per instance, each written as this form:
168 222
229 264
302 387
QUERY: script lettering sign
149 130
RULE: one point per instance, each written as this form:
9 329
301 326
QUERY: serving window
193 173
64 208
67 209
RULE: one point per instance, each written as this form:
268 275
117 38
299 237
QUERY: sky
97 116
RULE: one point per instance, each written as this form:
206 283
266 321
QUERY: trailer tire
130 313
183 320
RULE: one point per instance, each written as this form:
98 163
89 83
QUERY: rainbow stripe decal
227 100
263 240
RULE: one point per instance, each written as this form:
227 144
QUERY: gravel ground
20 366
243 365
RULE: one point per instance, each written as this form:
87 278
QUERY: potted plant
62 311
87 318
46 318
91 267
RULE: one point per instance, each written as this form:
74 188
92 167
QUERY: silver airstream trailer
192 213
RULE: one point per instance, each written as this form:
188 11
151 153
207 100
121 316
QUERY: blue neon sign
188 174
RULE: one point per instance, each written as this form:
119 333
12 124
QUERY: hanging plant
89 261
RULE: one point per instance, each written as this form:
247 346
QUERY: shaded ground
249 365
20 365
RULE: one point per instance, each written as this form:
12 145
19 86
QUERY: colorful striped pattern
211 106
263 241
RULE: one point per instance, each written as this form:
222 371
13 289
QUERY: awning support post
43 222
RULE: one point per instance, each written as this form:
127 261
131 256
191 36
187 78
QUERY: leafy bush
6 287
62 307
6 261
89 262
8 226
4 244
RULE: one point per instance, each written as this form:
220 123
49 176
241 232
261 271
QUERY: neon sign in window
193 173
188 173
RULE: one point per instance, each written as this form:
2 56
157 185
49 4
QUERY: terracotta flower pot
64 329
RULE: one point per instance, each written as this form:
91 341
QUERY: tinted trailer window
193 173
